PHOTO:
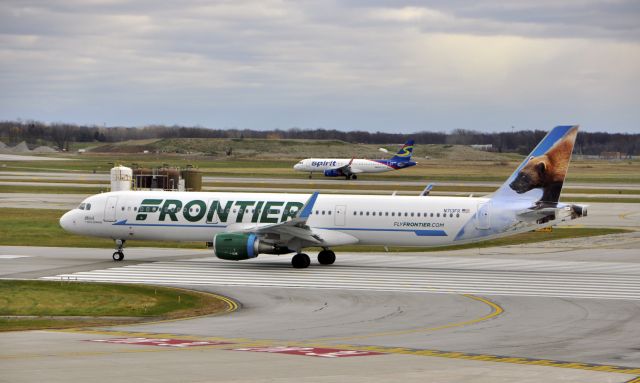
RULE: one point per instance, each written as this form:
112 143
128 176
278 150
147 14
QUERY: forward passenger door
110 209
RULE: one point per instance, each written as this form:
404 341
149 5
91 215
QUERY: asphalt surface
317 180
25 157
565 311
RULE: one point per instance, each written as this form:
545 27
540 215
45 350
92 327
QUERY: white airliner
243 225
350 168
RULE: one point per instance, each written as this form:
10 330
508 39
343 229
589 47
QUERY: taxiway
565 311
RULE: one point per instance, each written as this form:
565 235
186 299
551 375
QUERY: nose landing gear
119 254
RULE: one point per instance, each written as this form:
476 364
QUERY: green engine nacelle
235 246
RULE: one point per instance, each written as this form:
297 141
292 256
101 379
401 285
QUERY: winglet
426 190
308 207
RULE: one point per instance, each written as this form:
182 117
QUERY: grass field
19 227
48 304
597 172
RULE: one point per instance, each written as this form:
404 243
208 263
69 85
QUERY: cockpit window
81 207
88 207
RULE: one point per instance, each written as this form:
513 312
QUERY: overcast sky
366 65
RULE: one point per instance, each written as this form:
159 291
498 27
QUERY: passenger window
431 214
354 213
135 208
367 213
123 208
393 213
406 214
438 215
450 215
317 212
373 214
329 212
386 213
412 214
457 215
418 214
323 212
360 213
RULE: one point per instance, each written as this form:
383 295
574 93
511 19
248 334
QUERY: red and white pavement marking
310 351
160 342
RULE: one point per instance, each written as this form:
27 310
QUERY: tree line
522 141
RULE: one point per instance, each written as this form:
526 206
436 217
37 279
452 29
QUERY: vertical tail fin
404 154
540 176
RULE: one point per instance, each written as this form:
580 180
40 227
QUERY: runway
605 280
560 311
564 312
50 176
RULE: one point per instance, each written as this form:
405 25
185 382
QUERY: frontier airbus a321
243 225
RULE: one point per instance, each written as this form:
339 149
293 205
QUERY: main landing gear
352 176
119 254
326 257
302 261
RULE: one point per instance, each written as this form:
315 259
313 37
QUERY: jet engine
333 173
240 246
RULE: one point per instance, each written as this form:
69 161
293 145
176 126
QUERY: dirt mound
44 149
20 148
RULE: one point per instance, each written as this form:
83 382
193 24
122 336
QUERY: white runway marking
10 256
603 280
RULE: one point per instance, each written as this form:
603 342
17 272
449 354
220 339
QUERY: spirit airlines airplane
350 168
243 225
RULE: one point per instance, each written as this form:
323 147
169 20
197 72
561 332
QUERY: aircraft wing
296 229
346 169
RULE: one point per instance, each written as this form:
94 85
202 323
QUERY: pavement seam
496 310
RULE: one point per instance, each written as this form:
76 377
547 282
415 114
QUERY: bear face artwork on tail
547 171
530 196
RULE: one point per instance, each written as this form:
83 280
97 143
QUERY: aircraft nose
67 221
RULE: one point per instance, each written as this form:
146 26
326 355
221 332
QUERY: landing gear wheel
326 257
300 261
118 256
310 174
354 177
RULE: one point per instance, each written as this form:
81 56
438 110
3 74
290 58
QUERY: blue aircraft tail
540 177
404 154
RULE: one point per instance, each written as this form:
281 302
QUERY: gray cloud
347 65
